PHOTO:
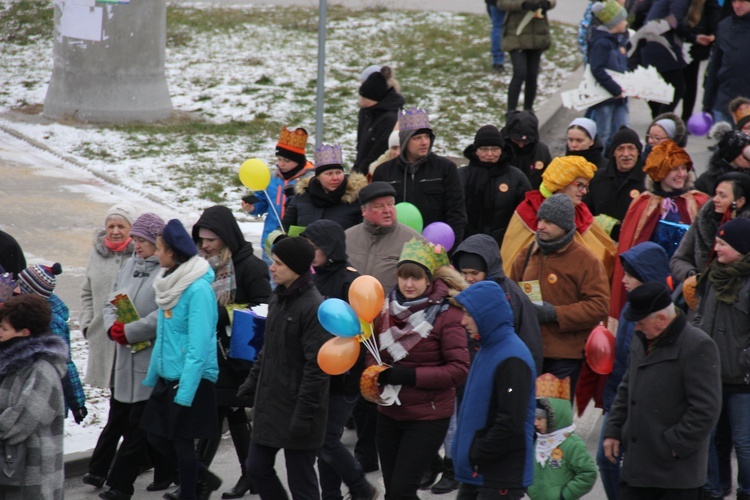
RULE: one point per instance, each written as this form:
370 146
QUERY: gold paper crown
293 140
742 111
549 386
426 254
413 119
328 154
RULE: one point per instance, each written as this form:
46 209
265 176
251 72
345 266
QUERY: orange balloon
338 355
366 297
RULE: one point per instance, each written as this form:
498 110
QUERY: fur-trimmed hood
680 134
101 247
456 283
26 350
354 182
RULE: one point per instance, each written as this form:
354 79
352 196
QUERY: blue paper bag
248 331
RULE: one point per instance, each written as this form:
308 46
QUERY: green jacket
535 36
570 472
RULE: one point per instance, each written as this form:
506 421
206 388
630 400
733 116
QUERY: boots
241 439
431 473
448 482
208 482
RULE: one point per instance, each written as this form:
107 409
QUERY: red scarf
117 247
529 207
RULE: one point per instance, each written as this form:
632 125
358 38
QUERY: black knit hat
291 155
735 234
178 239
297 253
647 299
559 210
626 136
375 190
488 135
375 87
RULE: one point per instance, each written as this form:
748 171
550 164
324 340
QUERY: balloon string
273 207
373 344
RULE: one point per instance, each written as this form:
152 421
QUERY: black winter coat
253 288
728 73
533 158
432 185
290 388
716 168
374 128
491 193
595 154
305 208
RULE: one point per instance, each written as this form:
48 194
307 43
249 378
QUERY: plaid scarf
224 285
410 321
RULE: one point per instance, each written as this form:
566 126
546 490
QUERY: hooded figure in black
333 277
241 278
481 251
531 156
728 157
376 122
492 189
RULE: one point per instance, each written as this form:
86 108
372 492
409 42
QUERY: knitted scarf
548 247
169 287
117 247
727 278
410 321
547 443
322 198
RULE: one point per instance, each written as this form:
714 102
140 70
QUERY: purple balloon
700 123
440 233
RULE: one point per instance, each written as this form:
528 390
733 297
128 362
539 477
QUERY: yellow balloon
255 174
366 329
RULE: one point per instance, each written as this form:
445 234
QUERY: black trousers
300 473
118 422
525 72
365 416
633 493
406 449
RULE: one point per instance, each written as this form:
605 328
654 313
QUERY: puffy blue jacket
185 347
494 441
607 51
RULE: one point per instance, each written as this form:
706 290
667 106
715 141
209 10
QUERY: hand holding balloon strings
255 175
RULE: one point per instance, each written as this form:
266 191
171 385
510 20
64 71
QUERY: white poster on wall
81 21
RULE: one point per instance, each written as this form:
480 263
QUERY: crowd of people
481 345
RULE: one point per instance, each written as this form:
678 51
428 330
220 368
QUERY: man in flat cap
667 403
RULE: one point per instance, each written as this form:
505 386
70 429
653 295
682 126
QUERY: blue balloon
338 318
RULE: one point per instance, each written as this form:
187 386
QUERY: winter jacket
656 54
728 73
525 323
607 51
729 326
305 209
291 389
493 442
665 408
185 348
535 36
531 159
717 167
490 206
574 281
137 278
432 185
11 255
650 261
441 360
375 250
697 245
333 281
611 193
75 398
251 274
101 270
570 472
32 412
595 154
280 191
523 225
374 127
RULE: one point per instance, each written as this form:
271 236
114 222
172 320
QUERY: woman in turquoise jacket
183 367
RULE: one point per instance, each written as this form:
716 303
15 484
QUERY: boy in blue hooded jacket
493 448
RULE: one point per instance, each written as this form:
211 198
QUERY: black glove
79 414
300 426
546 313
246 392
530 5
398 375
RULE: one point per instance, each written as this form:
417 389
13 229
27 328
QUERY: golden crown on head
293 140
328 154
413 119
426 254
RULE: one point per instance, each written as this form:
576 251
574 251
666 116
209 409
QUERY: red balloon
600 350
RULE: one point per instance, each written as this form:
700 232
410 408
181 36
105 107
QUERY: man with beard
620 182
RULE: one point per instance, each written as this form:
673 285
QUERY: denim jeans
609 472
335 461
496 16
737 409
722 116
609 118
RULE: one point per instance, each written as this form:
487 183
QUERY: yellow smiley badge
539 165
503 188
634 193
557 454
552 279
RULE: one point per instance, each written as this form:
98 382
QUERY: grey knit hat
148 226
558 209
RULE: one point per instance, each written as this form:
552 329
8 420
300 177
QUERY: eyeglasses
581 186
655 138
489 149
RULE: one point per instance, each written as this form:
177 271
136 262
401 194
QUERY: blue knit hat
178 239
